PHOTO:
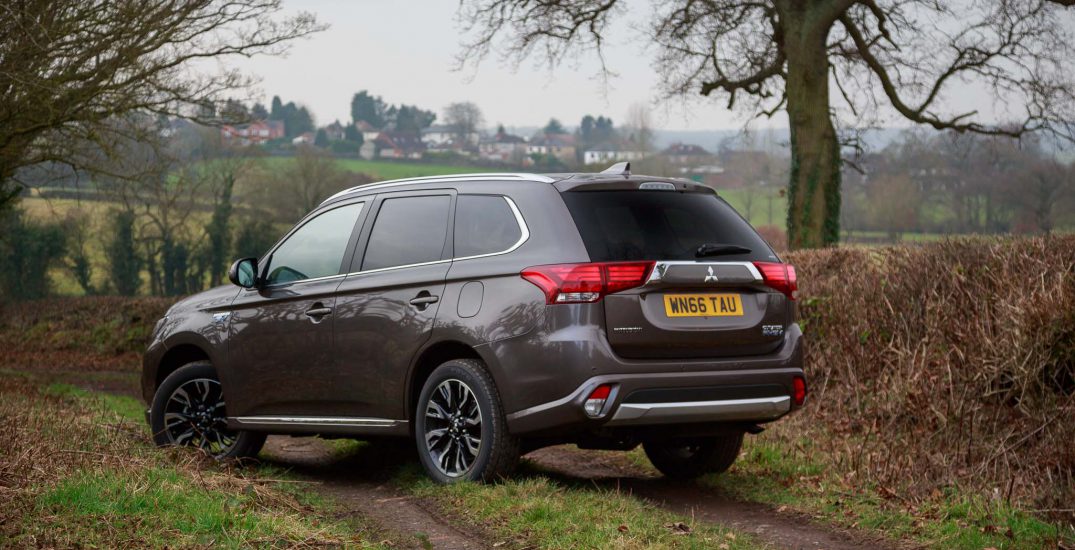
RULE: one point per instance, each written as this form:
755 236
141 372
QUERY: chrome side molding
313 422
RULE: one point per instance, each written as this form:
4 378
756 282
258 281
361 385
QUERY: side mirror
244 272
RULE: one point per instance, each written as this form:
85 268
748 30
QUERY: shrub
945 364
27 249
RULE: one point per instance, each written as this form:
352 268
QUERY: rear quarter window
484 224
660 225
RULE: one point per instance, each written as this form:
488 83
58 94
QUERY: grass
544 513
782 470
83 474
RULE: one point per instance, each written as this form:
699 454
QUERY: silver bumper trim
763 408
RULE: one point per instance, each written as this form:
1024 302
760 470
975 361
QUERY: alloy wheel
195 416
453 427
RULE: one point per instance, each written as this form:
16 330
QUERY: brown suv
489 315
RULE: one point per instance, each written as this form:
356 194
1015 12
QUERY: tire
180 399
458 404
691 458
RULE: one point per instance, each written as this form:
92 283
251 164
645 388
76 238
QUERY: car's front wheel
189 410
460 427
691 458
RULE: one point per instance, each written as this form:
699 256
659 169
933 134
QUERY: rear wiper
717 249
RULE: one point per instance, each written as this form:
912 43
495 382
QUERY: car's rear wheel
189 410
690 458
460 427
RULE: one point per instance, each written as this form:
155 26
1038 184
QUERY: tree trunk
814 189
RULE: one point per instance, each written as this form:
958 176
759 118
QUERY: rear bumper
741 391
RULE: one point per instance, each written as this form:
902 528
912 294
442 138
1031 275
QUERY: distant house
503 147
399 145
305 138
610 153
335 131
254 133
687 154
369 132
561 146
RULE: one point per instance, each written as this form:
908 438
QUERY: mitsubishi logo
710 278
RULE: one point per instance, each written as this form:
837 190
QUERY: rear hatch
719 301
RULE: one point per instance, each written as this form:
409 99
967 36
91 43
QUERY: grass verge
790 472
77 470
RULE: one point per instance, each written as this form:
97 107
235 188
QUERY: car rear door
387 305
716 305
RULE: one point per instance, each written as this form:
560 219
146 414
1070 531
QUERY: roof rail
486 176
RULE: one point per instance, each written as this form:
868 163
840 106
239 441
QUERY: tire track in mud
780 529
359 487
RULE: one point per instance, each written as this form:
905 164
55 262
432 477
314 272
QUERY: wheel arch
429 359
176 357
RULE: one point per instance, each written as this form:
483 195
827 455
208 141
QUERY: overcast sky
404 51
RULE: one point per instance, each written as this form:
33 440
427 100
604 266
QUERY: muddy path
780 529
359 484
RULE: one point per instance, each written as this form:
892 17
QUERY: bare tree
297 188
68 67
767 56
463 119
639 126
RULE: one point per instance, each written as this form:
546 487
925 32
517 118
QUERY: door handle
423 299
318 312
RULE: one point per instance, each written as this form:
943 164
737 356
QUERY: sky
405 51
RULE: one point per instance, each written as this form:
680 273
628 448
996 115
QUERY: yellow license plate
703 305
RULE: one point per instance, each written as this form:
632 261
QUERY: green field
389 170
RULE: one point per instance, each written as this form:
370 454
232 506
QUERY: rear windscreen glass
661 225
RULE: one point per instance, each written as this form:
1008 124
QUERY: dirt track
360 484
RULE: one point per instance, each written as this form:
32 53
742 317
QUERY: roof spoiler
619 169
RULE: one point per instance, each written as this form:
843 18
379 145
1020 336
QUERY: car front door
280 360
385 308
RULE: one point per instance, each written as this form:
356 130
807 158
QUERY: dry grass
75 474
946 365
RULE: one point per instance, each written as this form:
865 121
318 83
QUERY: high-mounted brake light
584 283
780 277
596 401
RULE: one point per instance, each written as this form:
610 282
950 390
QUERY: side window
408 230
316 249
484 225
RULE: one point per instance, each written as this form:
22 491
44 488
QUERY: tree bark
814 188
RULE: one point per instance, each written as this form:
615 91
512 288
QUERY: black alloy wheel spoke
453 427
195 415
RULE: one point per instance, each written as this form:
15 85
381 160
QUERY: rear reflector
780 277
583 283
595 403
798 388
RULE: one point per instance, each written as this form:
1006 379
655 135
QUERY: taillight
780 277
596 401
583 283
798 388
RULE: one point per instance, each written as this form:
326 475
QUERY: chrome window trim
660 267
523 236
441 179
319 421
